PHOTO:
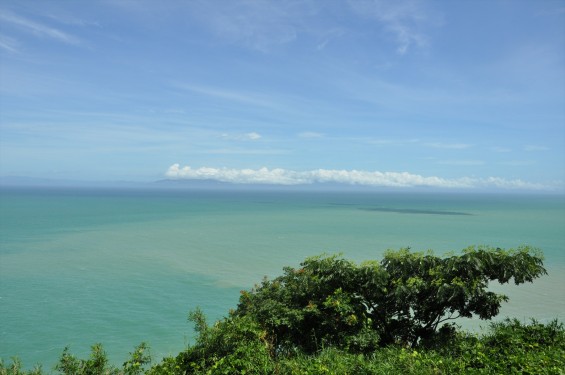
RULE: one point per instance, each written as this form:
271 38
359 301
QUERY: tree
405 298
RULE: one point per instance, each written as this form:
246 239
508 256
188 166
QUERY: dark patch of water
415 211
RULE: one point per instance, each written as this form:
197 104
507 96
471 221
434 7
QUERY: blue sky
393 93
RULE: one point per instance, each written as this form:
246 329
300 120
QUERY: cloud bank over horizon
285 177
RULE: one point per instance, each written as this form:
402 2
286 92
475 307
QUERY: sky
455 94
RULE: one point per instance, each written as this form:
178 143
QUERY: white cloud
509 184
280 176
253 136
240 176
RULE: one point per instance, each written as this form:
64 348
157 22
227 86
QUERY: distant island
215 185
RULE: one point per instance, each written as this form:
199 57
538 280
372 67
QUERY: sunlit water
120 267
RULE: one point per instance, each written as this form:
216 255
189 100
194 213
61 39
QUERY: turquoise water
120 267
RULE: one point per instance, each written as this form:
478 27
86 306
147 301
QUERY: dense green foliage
237 346
332 316
403 299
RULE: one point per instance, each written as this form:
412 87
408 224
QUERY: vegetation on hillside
333 316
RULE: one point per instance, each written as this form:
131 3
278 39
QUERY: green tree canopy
404 298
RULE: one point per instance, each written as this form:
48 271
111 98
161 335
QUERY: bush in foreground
237 347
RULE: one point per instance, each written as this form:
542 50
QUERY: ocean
125 266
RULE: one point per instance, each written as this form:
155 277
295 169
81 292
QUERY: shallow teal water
120 267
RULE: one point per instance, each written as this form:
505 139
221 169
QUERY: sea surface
119 267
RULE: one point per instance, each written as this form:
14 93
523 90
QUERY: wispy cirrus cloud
532 148
279 176
462 163
38 29
252 136
404 20
238 96
246 151
310 135
257 24
553 11
517 163
451 146
501 149
8 44
391 141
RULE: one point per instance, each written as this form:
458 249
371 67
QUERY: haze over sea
122 266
